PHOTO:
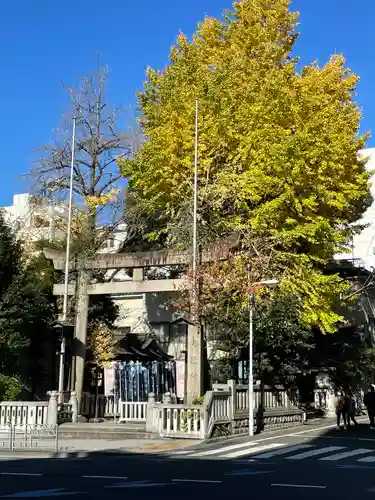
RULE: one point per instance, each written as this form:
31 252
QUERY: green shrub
10 388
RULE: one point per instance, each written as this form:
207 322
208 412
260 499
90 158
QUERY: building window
111 242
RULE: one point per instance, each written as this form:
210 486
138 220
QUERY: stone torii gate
138 262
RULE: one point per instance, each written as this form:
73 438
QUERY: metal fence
29 438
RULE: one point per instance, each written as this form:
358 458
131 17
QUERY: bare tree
98 185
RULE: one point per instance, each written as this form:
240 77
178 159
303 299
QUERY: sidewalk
83 447
130 445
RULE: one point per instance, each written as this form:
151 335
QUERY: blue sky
44 43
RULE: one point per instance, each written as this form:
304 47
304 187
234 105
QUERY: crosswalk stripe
366 459
284 451
312 453
251 451
220 450
346 454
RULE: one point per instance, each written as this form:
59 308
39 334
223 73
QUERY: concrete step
105 430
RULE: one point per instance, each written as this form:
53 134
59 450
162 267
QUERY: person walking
350 404
369 401
340 410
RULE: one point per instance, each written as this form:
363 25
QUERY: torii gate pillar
80 334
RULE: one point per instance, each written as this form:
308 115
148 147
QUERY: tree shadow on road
190 470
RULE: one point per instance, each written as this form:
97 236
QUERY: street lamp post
269 284
66 277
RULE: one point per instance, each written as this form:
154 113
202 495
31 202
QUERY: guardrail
29 438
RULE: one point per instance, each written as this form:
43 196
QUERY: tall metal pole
195 210
67 259
251 388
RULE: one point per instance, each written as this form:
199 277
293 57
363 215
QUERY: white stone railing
218 409
35 414
133 411
176 421
226 406
189 421
275 398
21 415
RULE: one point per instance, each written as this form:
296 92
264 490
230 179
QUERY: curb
80 453
314 424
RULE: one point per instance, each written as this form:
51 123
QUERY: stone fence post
150 413
233 398
167 398
52 409
73 402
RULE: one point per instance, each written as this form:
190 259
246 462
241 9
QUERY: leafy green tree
27 308
278 149
281 344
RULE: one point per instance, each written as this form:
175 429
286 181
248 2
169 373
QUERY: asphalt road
326 463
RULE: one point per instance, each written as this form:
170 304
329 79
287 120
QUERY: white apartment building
33 220
363 245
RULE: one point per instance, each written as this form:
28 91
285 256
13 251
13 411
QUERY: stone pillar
233 402
194 363
74 404
52 408
167 398
150 413
80 333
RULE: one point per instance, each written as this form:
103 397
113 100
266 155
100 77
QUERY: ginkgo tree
278 148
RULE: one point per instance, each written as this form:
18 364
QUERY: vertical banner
109 379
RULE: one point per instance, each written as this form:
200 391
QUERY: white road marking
184 452
313 453
366 459
346 454
136 484
20 474
283 451
105 477
195 481
354 466
242 453
226 448
299 486
41 493
247 472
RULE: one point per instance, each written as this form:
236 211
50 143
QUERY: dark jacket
369 400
